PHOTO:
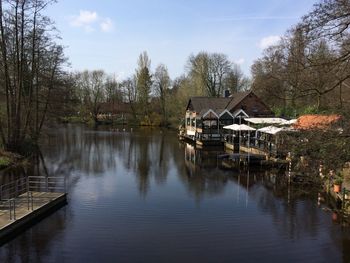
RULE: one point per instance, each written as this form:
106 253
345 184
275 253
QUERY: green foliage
288 112
294 112
73 119
4 162
154 119
310 109
329 147
143 83
338 180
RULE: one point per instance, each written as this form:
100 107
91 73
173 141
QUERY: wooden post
289 166
321 171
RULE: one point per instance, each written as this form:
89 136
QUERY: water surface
143 196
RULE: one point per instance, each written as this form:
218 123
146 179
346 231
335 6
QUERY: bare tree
31 67
92 89
330 19
212 73
162 85
130 91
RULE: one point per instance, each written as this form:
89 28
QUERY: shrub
4 161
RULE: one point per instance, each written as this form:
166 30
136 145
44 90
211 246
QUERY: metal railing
11 194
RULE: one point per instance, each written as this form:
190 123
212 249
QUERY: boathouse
206 116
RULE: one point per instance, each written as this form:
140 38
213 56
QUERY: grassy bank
8 159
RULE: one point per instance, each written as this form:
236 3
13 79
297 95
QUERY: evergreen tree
143 83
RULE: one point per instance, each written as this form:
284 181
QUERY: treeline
308 70
152 97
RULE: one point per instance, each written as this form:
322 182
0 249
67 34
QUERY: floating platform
27 209
26 201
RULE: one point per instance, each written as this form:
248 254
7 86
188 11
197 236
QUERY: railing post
16 188
31 197
10 208
14 208
65 184
27 186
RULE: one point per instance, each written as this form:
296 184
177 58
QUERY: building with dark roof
206 116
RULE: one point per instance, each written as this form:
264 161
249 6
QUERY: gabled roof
202 104
240 111
313 121
210 113
236 99
226 111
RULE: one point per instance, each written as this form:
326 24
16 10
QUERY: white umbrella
240 127
237 127
270 130
266 120
290 122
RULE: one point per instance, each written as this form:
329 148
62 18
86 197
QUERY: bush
338 180
4 162
154 120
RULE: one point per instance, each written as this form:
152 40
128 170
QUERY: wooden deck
26 209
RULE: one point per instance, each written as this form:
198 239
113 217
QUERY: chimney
227 93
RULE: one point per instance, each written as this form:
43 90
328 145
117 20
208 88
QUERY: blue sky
110 34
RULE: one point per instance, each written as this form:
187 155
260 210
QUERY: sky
111 34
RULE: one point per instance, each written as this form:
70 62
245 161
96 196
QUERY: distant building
206 116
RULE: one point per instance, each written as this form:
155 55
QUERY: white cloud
88 20
240 61
269 41
106 25
84 18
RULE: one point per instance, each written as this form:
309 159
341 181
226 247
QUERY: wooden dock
21 206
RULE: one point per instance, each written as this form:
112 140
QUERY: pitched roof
237 98
311 121
202 104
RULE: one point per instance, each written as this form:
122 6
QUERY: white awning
275 130
290 122
266 120
191 133
237 127
270 130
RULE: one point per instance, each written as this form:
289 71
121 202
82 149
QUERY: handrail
52 183
10 192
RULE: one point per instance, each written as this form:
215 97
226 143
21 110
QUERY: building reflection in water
294 211
166 189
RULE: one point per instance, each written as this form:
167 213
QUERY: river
142 196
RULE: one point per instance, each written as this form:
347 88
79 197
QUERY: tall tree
143 83
32 66
130 91
212 73
162 85
92 90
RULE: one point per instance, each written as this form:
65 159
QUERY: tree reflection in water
146 183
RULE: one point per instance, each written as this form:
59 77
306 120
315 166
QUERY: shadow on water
138 193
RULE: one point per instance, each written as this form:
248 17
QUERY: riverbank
172 125
8 159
